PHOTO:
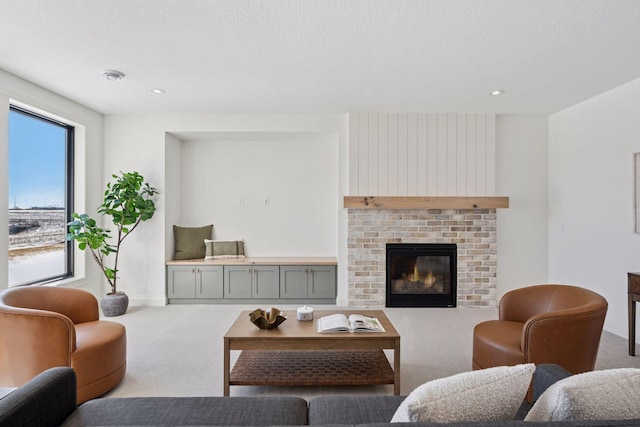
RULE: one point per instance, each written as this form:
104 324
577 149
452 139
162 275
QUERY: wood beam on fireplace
441 202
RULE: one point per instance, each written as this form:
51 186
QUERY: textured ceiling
323 56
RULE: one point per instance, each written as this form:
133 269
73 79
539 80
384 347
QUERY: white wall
591 239
88 179
521 174
172 186
150 151
227 183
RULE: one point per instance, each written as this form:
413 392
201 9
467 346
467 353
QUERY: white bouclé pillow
483 395
612 394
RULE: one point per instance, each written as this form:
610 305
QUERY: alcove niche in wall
276 190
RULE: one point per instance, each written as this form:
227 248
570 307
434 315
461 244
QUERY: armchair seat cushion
100 358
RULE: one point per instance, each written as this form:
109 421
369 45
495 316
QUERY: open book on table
353 323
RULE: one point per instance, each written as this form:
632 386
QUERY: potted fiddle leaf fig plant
128 202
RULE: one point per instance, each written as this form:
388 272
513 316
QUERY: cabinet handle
193 271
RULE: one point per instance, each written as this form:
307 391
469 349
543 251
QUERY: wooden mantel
401 202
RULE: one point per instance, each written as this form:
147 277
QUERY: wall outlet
241 201
266 201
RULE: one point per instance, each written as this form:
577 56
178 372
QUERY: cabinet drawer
634 284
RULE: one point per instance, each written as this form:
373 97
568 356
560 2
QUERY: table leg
396 368
227 368
632 326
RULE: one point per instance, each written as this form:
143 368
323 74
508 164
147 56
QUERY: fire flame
430 279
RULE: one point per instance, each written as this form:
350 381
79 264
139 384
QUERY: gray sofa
50 400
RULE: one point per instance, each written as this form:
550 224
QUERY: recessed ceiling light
158 91
496 92
113 75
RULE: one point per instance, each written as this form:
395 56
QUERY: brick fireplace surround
473 230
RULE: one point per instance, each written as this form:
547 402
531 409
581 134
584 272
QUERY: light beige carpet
177 350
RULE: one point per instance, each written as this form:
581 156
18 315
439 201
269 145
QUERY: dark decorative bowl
269 319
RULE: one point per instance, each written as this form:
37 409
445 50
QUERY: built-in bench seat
266 280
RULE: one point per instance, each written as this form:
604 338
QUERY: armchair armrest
38 340
46 400
553 337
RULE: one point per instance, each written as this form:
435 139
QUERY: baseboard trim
147 301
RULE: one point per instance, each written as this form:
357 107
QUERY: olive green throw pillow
189 241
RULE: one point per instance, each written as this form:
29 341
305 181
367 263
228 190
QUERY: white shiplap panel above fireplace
397 154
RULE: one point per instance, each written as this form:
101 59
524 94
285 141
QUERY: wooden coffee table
295 354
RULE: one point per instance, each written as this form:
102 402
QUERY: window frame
69 198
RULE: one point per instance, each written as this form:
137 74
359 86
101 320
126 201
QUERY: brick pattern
473 230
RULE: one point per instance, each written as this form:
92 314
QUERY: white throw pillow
483 395
218 249
612 394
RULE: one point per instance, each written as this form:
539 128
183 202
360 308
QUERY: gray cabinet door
293 281
322 281
181 282
237 281
209 282
251 281
266 281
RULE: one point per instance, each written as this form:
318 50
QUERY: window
40 198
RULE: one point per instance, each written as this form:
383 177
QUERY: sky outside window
36 162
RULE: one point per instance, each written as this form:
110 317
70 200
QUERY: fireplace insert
421 275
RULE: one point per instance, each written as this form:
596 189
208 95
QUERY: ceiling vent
113 75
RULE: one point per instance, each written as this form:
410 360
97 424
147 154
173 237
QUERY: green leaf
126 201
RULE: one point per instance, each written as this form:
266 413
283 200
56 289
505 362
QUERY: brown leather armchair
44 326
558 324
